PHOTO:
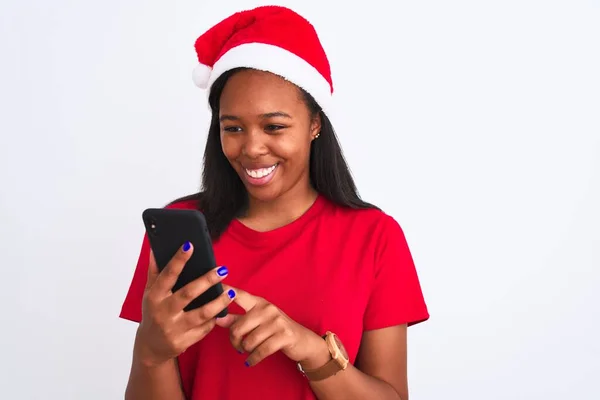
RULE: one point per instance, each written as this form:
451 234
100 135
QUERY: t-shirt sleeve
396 297
132 305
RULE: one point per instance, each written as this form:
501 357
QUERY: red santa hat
269 38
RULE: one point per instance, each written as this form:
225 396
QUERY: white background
475 123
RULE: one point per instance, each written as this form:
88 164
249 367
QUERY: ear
315 126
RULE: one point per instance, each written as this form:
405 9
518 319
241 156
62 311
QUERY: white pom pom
201 75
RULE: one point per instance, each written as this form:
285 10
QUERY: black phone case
168 230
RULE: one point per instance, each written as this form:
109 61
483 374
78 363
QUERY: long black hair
224 197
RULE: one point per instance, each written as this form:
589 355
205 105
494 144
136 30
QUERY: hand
265 329
166 330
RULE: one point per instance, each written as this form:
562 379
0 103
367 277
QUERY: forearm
353 384
349 384
153 382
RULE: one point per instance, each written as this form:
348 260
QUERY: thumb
152 271
227 320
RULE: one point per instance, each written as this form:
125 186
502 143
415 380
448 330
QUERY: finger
207 312
189 292
197 333
270 346
152 271
243 298
168 276
260 334
227 320
246 324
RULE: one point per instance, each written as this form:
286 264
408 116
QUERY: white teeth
261 172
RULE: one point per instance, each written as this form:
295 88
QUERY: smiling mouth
260 176
260 173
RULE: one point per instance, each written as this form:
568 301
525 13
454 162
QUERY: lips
260 175
260 172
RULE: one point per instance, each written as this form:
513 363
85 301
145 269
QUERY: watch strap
329 369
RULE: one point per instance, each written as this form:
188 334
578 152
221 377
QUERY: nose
254 146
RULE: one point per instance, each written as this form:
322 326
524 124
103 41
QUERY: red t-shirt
333 268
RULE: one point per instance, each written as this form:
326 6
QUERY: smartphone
167 230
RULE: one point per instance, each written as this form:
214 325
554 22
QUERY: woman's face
266 132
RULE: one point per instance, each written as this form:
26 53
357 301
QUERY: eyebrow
226 117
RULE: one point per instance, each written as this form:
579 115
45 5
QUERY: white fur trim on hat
277 60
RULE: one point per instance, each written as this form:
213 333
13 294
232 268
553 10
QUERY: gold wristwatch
339 360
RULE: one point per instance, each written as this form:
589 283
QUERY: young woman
320 285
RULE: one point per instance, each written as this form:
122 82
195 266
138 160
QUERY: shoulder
371 229
373 220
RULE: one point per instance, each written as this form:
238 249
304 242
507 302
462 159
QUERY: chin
263 194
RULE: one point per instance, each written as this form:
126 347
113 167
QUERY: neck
286 208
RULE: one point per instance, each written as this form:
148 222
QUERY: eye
232 129
273 127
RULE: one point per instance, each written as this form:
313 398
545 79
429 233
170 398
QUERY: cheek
294 150
230 147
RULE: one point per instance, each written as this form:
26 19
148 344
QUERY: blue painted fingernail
186 246
246 363
239 351
222 271
231 293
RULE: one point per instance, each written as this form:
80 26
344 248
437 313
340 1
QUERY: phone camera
152 227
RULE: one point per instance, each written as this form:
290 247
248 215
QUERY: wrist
319 354
142 355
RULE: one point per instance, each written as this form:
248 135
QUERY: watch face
341 347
